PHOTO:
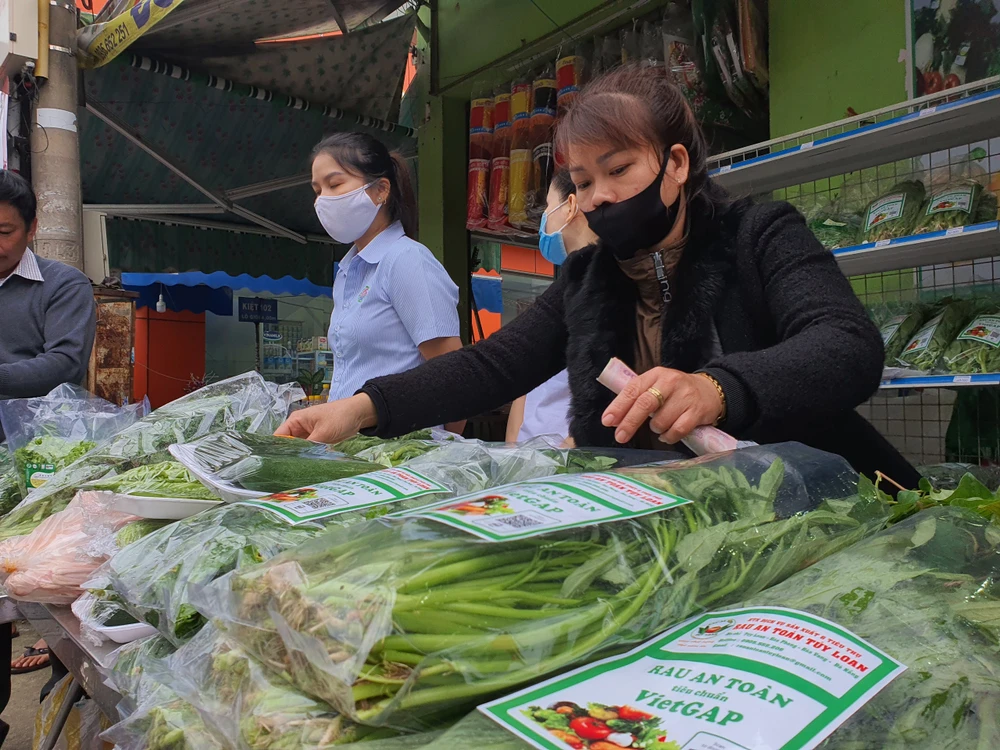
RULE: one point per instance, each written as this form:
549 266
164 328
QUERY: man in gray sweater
47 324
47 311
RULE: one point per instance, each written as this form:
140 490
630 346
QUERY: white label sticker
923 337
544 505
749 678
885 209
959 199
891 327
353 493
928 111
962 379
984 329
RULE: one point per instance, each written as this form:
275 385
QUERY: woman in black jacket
732 312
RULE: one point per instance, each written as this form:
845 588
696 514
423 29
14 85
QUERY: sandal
29 652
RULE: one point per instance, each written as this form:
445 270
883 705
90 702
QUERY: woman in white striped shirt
394 304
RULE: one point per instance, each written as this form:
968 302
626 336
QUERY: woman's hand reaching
332 422
685 401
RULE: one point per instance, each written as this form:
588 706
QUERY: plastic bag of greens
925 349
101 621
50 432
168 479
834 226
976 349
246 403
403 620
239 466
893 214
954 205
987 207
153 579
165 721
898 325
947 476
134 671
10 490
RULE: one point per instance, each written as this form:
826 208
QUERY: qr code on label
517 521
322 503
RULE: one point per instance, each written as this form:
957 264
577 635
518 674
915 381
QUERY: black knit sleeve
828 356
516 359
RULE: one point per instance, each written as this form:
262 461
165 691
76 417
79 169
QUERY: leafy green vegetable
406 619
895 213
353 446
46 455
987 207
977 347
898 331
10 492
835 227
925 349
132 532
955 205
165 479
970 494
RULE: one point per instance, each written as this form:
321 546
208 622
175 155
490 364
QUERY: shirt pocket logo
364 293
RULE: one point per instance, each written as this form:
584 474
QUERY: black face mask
637 223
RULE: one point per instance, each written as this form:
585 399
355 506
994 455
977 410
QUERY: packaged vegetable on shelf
403 620
52 431
245 402
987 207
894 214
238 466
155 578
834 226
976 349
898 324
924 351
50 564
954 205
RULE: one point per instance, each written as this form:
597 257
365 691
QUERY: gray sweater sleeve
70 323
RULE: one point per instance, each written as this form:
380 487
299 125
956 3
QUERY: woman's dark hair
367 157
635 106
563 183
15 191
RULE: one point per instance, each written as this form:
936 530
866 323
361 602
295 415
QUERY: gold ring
658 395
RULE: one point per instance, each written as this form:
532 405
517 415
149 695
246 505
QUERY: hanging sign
127 20
258 310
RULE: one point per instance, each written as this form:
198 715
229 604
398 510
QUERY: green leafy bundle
977 347
354 446
50 450
895 213
954 205
245 402
928 345
402 621
165 479
153 578
898 330
969 494
835 227
10 491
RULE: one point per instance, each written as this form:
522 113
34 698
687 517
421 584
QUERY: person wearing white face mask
394 304
564 229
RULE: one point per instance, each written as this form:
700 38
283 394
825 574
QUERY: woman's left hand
689 401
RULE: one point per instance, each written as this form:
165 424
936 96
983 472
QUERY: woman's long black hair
365 156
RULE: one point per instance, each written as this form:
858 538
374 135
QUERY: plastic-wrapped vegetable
246 403
987 207
898 330
976 349
50 432
130 675
153 579
238 466
165 479
834 226
10 491
50 564
403 620
894 214
924 350
356 445
954 205
947 476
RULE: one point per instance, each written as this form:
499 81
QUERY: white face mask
346 217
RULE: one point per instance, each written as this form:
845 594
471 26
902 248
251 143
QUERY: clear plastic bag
245 403
50 564
947 476
136 671
10 490
924 350
237 466
165 479
95 615
403 620
48 433
153 578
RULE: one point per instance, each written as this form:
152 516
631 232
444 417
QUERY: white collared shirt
387 300
26 269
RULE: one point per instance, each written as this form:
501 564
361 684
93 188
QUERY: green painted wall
828 55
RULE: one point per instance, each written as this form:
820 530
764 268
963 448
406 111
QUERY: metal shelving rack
934 136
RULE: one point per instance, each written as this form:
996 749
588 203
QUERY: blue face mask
552 246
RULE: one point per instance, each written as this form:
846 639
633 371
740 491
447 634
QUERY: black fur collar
600 317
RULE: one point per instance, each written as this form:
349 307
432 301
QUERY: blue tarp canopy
488 293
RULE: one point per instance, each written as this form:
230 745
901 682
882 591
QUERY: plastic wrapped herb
238 466
977 347
898 329
10 491
834 226
245 402
924 350
154 578
401 621
954 205
895 213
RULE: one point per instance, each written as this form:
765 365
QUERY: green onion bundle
400 622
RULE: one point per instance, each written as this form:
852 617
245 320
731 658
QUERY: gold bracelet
722 395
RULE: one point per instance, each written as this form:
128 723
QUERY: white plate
226 490
125 633
163 508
